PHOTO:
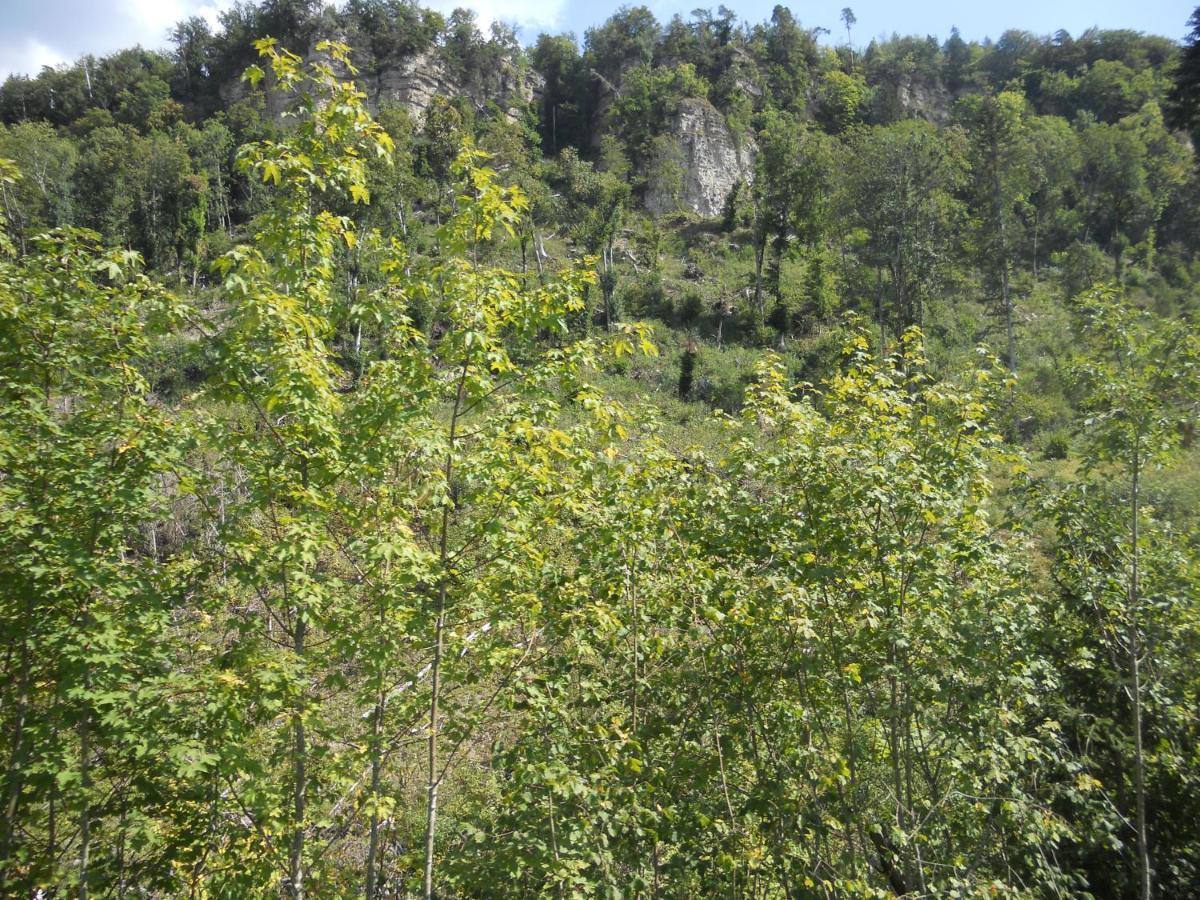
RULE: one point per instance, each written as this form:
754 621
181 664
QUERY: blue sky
937 17
34 33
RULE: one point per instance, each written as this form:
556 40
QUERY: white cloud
532 14
210 12
151 19
52 32
28 56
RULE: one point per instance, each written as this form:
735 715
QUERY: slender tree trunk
879 314
15 774
894 747
85 736
1135 647
539 251
634 638
607 284
51 823
775 267
1005 292
1036 226
376 771
299 764
14 779
299 781
121 876
435 674
85 814
1008 319
760 249
431 805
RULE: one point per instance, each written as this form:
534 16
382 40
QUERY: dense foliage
391 506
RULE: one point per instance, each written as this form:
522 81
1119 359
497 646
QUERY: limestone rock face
413 82
706 160
915 98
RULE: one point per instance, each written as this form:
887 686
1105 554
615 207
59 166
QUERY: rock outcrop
702 162
413 82
913 97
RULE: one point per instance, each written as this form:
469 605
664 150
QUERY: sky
36 33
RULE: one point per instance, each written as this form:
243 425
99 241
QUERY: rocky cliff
701 163
414 81
914 97
701 158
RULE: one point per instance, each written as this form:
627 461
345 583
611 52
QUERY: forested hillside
707 459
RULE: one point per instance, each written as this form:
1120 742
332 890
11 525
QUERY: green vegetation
391 506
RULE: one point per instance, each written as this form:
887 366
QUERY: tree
1053 160
1112 90
841 100
959 59
1141 373
211 149
276 361
564 113
900 190
85 603
869 592
1184 100
1000 185
790 188
1128 168
1086 634
171 203
395 29
627 39
787 54
41 198
599 203
379 506
494 402
849 20
194 50
771 193
761 677
649 98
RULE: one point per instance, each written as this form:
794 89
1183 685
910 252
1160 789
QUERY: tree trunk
85 814
1139 760
14 777
376 771
431 805
435 674
760 248
607 284
299 783
1005 292
1036 225
1008 319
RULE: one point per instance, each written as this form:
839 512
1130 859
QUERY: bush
687 370
1056 444
691 307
